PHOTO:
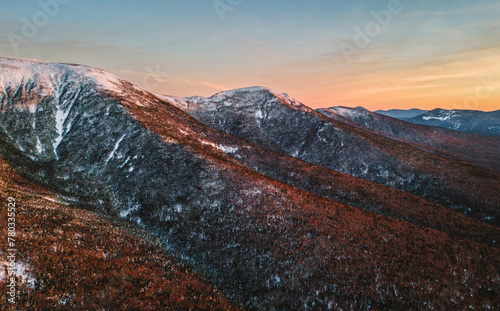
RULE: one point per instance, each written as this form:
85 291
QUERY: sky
379 54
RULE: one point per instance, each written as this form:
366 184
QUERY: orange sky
379 54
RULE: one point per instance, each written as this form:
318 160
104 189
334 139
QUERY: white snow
106 80
117 145
60 118
32 109
258 114
346 112
225 149
318 134
232 93
127 212
208 143
436 118
124 162
228 149
254 94
22 272
441 116
176 101
49 77
39 147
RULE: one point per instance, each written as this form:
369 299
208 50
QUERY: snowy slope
470 121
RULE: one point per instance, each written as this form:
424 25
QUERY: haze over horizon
384 54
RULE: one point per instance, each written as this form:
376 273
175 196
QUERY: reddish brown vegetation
316 253
82 261
265 243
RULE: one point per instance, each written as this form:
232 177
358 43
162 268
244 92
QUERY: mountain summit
275 205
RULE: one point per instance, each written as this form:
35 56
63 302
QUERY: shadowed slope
480 150
75 259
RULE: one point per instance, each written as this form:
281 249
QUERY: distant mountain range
247 199
401 114
469 121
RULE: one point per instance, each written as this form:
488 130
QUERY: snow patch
253 192
112 153
62 129
225 149
176 101
258 114
228 149
437 118
127 212
106 80
208 143
39 147
22 271
441 116
349 113
231 93
32 109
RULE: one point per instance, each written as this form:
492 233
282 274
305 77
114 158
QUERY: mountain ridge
467 121
349 148
476 149
264 243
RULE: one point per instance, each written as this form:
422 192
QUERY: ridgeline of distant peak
402 113
469 121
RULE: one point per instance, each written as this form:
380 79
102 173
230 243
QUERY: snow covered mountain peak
48 99
51 78
253 100
252 94
229 93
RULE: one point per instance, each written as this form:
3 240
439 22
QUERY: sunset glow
377 54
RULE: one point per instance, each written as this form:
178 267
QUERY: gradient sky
429 54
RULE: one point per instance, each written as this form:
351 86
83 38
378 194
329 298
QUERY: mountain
278 122
476 149
237 212
469 121
347 189
401 114
69 258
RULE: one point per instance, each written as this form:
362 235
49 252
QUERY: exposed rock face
107 145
